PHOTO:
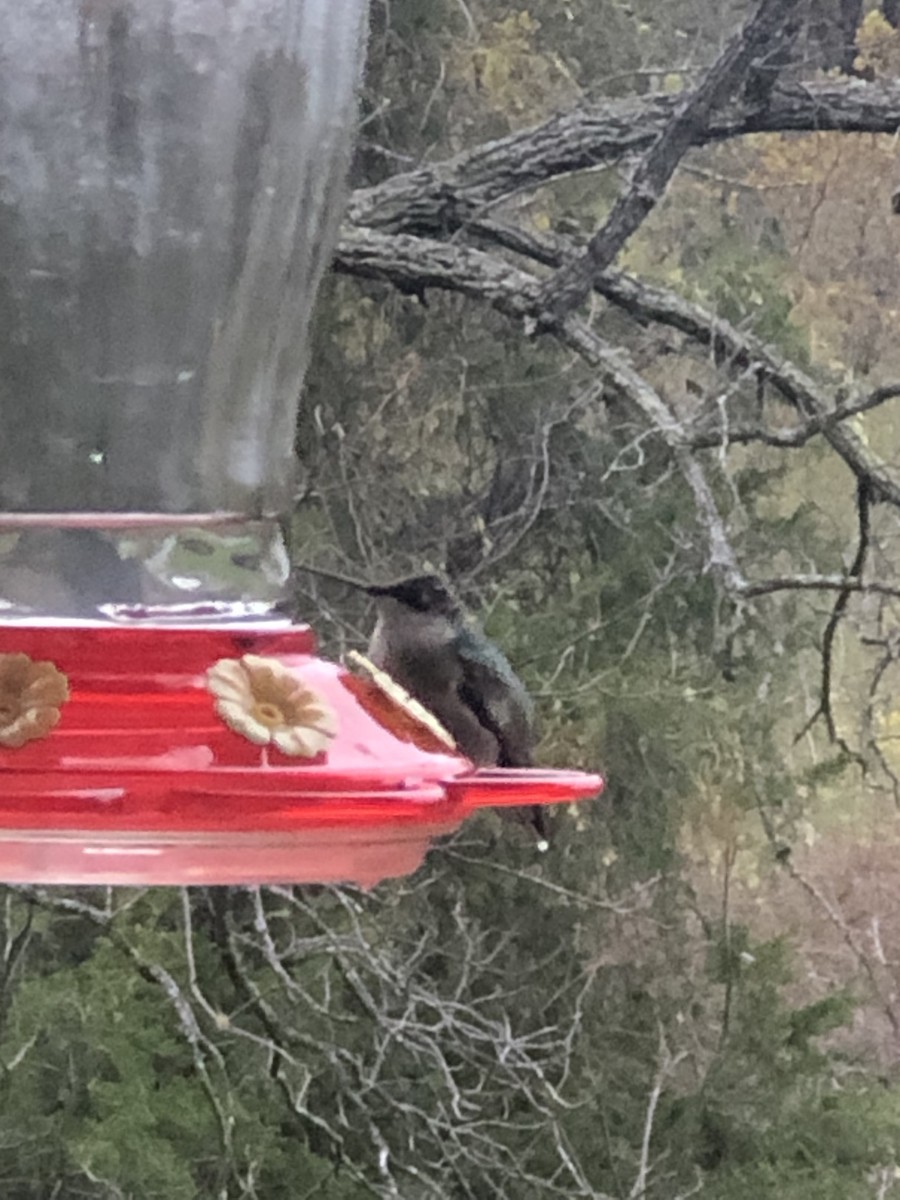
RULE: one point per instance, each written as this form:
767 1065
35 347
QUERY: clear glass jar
171 180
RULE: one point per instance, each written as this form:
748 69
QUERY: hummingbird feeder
171 179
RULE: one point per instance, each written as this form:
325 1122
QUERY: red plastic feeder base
141 781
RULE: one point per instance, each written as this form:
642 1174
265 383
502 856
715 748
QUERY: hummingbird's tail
535 816
538 821
334 576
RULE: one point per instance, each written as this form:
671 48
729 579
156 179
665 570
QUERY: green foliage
103 1096
769 1114
108 1078
745 287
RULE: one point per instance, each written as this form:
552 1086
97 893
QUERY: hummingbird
424 640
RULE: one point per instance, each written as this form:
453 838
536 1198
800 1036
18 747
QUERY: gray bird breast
417 649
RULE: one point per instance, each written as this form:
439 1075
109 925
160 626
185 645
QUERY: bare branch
667 1062
863 507
515 293
742 351
796 437
640 891
568 289
443 197
818 583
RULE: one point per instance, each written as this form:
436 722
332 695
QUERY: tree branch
743 351
445 196
569 288
515 293
413 263
797 436
826 708
818 583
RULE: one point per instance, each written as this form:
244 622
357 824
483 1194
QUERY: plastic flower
30 696
413 715
265 702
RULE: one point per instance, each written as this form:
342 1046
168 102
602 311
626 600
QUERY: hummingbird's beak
333 576
376 590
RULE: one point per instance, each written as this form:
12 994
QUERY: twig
556 888
667 1065
826 710
819 583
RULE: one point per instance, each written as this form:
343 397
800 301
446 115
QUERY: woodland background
673 497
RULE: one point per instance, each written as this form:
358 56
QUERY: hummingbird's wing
498 699
495 694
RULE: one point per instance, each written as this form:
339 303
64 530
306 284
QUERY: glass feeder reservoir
171 178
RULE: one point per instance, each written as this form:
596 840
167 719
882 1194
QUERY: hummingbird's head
422 594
